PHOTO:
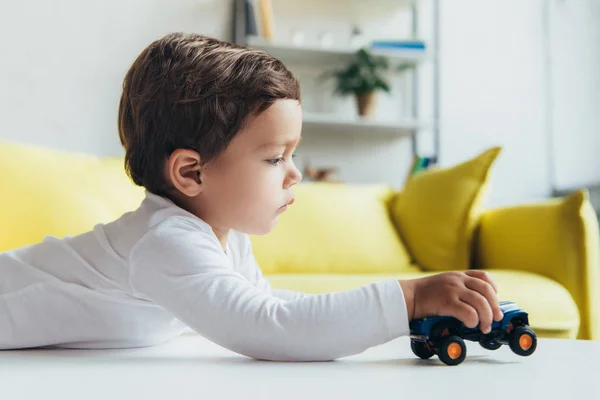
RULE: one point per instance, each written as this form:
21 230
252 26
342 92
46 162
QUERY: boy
209 130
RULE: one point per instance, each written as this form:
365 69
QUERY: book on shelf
252 19
420 164
251 24
239 22
409 44
267 19
244 21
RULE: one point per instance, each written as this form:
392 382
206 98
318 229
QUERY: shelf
331 123
401 3
331 55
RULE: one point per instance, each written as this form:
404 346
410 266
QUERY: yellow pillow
334 228
51 192
556 238
437 211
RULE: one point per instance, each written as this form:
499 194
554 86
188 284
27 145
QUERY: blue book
398 44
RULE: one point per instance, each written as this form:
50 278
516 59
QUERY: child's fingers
465 313
483 275
481 305
488 292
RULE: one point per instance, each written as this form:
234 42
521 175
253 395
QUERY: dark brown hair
194 92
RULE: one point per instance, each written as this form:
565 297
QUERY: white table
193 368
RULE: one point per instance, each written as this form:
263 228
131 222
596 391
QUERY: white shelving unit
333 123
325 57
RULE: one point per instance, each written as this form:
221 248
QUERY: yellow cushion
49 192
552 311
557 238
334 228
437 211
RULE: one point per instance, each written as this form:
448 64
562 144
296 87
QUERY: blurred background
461 76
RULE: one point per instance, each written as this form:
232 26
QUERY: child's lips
285 206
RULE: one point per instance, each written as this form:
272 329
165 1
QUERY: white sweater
159 271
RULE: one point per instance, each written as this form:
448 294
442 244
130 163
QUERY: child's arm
470 296
183 271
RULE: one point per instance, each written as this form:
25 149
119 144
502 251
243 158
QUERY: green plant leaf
405 66
361 75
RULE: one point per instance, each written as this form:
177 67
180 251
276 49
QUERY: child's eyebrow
280 144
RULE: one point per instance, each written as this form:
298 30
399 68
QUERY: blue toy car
445 336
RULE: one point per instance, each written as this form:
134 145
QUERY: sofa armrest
557 238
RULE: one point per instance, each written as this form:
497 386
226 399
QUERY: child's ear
184 172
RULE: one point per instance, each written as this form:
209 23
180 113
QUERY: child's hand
469 296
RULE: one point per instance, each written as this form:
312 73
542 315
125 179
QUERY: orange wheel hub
525 341
454 350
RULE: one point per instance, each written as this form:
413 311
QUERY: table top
191 367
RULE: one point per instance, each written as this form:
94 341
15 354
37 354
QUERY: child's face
247 186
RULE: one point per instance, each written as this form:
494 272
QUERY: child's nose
294 177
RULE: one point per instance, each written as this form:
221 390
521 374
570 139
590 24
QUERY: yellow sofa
544 256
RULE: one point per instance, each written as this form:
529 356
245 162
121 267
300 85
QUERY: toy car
445 336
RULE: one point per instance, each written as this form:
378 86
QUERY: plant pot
365 103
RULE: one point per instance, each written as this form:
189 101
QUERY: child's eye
275 161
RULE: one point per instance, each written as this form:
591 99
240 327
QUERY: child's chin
263 230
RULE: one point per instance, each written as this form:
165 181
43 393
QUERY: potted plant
362 77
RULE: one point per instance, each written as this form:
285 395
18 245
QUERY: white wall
525 75
493 92
63 63
575 97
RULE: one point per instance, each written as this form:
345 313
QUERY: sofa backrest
334 228
331 228
51 192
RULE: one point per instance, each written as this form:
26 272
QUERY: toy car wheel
421 349
523 341
452 350
490 344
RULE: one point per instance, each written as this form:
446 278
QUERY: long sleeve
184 271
